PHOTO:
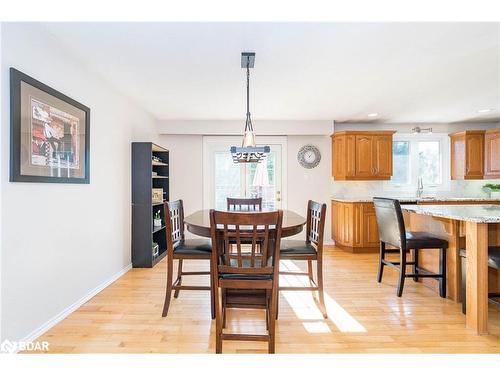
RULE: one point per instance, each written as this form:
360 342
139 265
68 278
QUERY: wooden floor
364 317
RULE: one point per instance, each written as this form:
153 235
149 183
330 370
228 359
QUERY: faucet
420 187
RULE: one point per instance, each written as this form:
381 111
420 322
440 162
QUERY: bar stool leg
402 273
415 264
380 264
442 280
168 293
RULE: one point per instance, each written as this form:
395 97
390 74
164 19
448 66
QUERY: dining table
199 223
480 225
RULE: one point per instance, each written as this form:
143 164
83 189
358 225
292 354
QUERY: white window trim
444 145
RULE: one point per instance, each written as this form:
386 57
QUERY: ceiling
405 72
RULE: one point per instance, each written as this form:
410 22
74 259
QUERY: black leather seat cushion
245 276
291 247
194 247
424 240
494 257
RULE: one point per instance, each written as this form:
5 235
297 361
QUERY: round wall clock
309 156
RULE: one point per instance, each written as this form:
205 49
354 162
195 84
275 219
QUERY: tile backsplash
367 189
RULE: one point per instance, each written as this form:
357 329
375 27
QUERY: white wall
186 173
367 189
60 241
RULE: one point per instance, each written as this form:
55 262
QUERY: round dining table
199 223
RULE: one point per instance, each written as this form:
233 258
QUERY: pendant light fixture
248 152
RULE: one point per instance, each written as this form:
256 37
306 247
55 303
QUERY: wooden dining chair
244 204
245 276
181 249
311 250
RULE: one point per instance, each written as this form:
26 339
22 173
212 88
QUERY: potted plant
157 219
494 190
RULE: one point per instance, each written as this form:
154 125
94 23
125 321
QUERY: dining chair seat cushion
245 276
424 240
295 247
194 247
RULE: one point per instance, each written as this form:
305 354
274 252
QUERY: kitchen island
473 227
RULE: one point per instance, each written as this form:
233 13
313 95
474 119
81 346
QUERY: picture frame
49 134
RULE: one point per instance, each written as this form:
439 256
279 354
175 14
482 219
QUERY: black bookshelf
148 174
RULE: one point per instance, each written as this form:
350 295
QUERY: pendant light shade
248 152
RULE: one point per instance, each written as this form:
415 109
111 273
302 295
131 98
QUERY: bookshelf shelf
147 158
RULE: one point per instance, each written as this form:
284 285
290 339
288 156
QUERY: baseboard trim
63 314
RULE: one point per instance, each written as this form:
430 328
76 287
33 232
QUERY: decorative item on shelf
156 159
155 173
155 249
50 134
248 152
157 195
157 219
309 156
494 190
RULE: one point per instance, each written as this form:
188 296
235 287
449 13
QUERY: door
223 178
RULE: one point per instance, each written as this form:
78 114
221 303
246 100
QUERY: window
417 156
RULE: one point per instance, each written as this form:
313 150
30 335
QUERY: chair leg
442 280
319 264
168 293
223 296
218 321
402 273
179 278
380 264
310 270
212 294
272 322
415 264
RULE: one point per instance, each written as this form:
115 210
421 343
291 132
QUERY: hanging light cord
248 123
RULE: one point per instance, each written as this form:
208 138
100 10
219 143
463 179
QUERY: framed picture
49 134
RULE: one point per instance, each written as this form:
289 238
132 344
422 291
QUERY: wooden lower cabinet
354 226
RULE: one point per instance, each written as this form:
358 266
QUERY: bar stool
493 262
391 228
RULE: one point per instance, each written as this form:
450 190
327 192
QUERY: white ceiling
406 72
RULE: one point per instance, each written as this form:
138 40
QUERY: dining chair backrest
316 217
256 236
244 204
390 222
174 222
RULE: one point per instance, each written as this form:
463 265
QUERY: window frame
413 139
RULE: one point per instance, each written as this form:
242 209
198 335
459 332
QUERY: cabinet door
370 227
357 230
474 156
457 157
338 162
382 156
364 156
350 155
335 221
346 224
492 154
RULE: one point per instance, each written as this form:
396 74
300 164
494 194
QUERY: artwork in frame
49 134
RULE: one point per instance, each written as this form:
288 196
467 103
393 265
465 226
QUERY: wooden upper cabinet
467 155
492 153
362 155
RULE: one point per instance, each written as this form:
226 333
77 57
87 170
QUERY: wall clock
309 156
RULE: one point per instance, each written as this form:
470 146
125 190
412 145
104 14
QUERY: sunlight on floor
305 306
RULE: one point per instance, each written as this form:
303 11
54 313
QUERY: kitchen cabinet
492 154
354 226
467 155
362 155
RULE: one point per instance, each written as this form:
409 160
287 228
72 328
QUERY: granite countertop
477 213
423 199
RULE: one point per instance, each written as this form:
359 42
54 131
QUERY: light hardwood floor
364 317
